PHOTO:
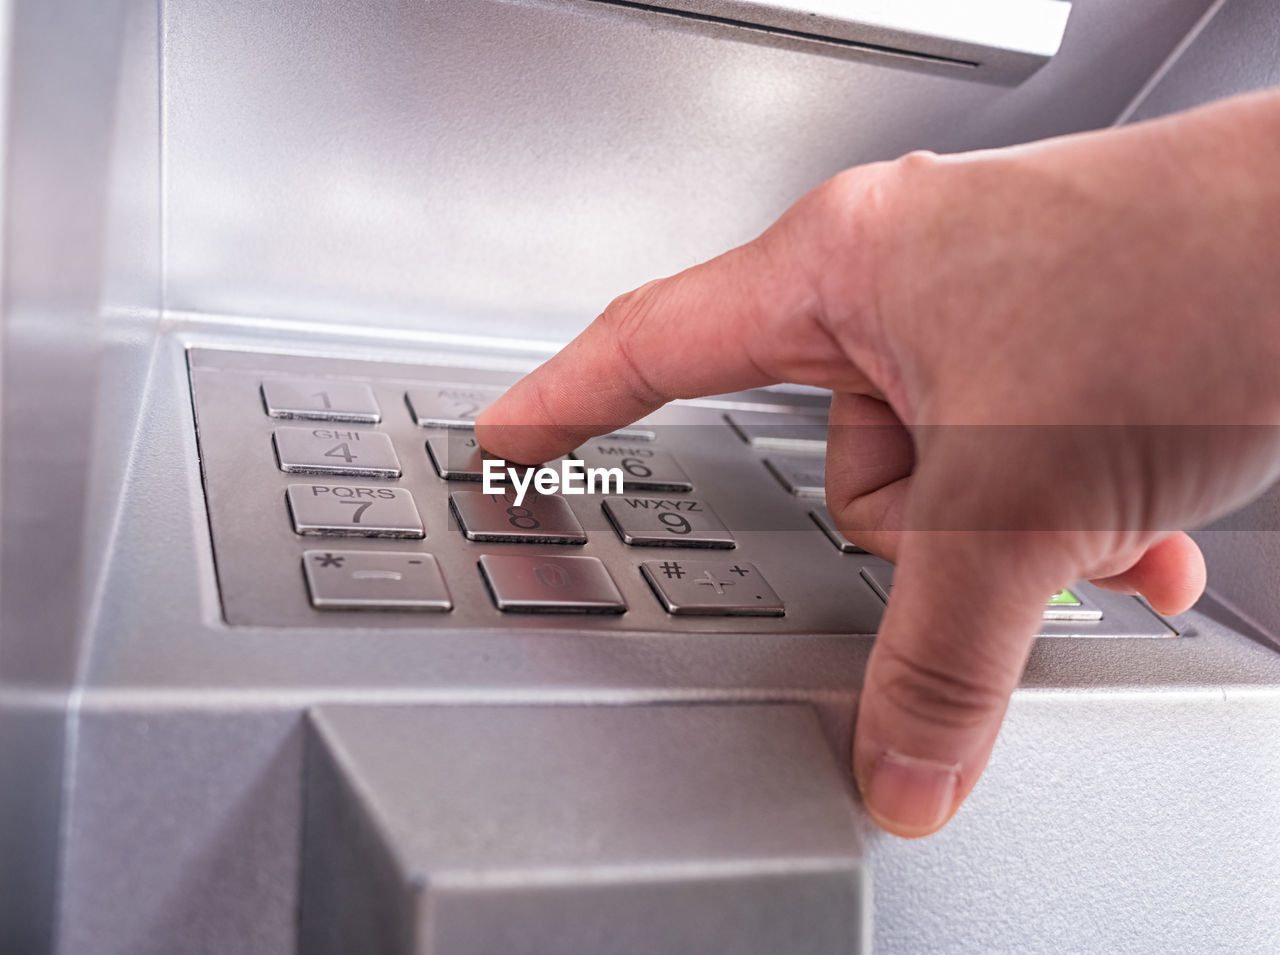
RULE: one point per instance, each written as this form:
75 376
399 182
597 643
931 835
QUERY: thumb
965 607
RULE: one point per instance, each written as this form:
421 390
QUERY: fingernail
910 796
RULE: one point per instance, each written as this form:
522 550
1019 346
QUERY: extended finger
750 317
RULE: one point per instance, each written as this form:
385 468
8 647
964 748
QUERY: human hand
1045 360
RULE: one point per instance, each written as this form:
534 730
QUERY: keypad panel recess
288 554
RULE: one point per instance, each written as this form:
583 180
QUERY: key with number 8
496 518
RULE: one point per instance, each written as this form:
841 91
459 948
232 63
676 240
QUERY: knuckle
936 694
851 199
630 310
870 200
917 162
863 211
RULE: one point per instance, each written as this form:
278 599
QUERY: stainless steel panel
460 169
1125 762
1236 50
470 167
78 158
484 830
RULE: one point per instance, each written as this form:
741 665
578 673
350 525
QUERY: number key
336 451
712 588
319 398
643 468
538 518
353 511
450 406
666 522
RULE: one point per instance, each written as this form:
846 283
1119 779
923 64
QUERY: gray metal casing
465 182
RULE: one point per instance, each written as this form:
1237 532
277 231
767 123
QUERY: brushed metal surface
560 829
1122 763
70 173
1237 50
472 166
429 173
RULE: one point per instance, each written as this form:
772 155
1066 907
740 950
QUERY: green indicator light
1064 597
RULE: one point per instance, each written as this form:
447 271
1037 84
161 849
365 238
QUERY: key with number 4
336 451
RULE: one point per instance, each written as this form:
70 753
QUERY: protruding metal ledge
996 41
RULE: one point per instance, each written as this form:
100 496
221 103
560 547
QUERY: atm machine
260 694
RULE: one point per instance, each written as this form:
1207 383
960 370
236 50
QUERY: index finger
750 317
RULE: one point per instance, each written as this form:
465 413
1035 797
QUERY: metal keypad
321 399
712 588
802 476
346 510
550 584
374 580
256 510
666 522
643 468
822 517
335 451
538 519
